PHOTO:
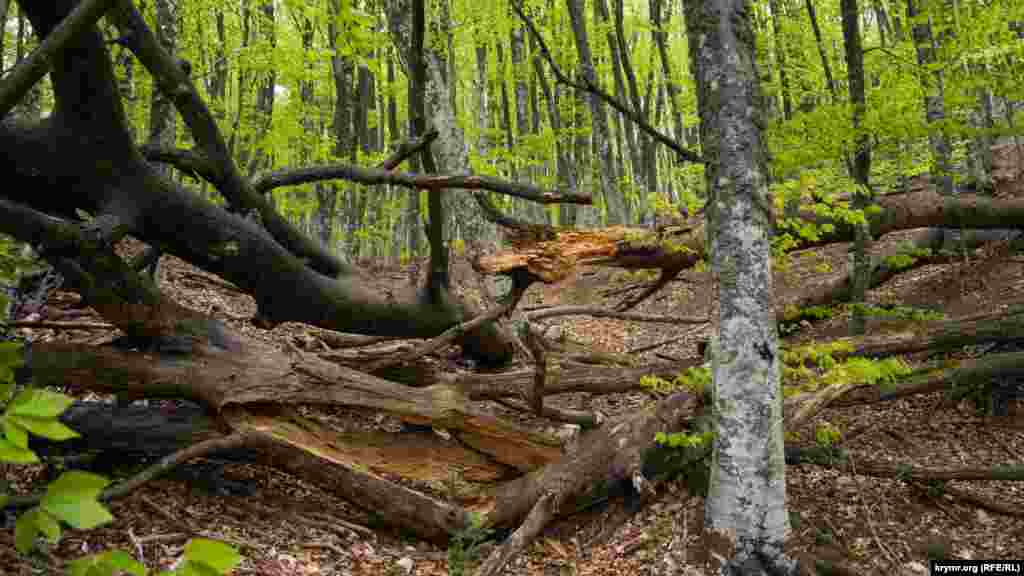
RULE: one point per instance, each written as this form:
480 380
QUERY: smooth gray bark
746 520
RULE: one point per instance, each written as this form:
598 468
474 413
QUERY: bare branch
190 162
682 153
604 313
519 286
196 165
667 275
407 149
377 176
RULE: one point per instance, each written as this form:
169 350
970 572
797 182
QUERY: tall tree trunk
506 107
979 157
162 116
660 36
745 512
566 168
30 105
5 5
406 224
623 126
267 32
825 65
780 57
219 79
934 109
861 164
581 156
614 201
342 72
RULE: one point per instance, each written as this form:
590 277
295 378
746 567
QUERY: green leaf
16 434
25 531
46 427
39 403
6 384
72 498
106 564
15 454
216 555
11 354
48 526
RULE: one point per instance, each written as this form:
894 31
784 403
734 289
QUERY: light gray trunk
745 517
614 201
449 149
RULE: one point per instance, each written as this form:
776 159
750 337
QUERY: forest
426 287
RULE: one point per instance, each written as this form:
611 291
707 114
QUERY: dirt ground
287 527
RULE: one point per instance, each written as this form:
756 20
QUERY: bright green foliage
107 564
684 440
812 366
465 545
831 372
696 380
203 557
907 256
905 313
827 434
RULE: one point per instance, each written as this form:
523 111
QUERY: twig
597 312
649 347
139 552
55 325
451 334
535 521
407 149
667 275
172 537
584 419
871 525
167 463
326 546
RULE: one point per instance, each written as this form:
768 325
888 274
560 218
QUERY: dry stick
449 335
541 513
649 347
151 472
61 325
584 419
871 525
535 343
407 149
597 312
171 518
667 275
165 464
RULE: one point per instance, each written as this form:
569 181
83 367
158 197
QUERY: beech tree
76 182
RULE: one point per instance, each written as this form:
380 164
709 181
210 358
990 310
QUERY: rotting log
991 327
553 255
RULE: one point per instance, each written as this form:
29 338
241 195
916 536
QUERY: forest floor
287 527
